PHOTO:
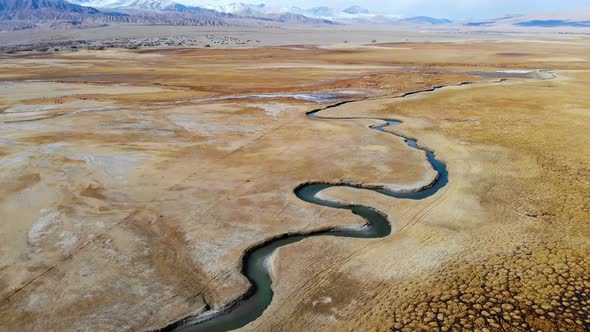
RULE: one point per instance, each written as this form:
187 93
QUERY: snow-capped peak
129 4
355 10
145 4
349 15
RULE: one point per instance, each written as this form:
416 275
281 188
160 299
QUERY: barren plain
132 182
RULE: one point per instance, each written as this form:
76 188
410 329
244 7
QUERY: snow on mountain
294 10
238 8
290 15
323 11
145 4
316 15
159 5
354 10
93 3
426 20
351 15
577 19
153 7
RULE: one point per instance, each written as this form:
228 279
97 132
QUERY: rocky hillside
24 14
43 10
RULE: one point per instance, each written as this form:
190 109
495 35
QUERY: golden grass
504 247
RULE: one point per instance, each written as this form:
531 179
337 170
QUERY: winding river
255 261
255 266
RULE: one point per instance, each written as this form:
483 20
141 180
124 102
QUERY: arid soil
132 181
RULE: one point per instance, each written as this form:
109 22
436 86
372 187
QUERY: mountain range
579 19
349 15
28 13
17 14
42 9
24 14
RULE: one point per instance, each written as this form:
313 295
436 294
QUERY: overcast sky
454 9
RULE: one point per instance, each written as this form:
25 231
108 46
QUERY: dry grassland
131 185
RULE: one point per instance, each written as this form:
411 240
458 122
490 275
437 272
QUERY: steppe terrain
132 181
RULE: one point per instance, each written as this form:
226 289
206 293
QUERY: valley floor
133 180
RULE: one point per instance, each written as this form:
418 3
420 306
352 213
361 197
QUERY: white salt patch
21 158
322 300
401 188
274 109
94 109
43 227
326 198
116 165
7 115
7 141
21 108
357 228
196 123
317 97
269 263
67 241
516 71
